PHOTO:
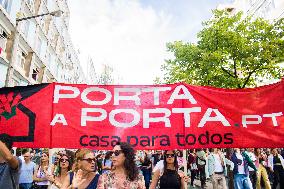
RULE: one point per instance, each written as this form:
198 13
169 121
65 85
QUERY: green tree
232 51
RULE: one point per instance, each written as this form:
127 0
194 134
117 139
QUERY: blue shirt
27 171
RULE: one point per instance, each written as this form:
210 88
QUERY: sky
131 35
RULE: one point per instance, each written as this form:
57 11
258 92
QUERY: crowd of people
125 168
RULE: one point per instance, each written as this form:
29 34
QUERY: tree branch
235 68
253 71
230 74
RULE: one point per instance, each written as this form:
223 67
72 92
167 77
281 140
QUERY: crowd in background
125 168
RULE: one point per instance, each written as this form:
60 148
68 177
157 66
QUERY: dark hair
146 158
69 166
7 140
175 161
179 153
99 156
129 163
107 156
25 150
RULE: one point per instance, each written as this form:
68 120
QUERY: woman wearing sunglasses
85 176
124 174
169 176
64 166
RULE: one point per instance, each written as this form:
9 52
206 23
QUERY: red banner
177 116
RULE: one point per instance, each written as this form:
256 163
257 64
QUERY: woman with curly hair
169 176
124 174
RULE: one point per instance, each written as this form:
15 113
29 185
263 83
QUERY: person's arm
250 163
155 179
8 156
183 179
78 179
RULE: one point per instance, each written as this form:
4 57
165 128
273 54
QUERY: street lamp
14 49
57 13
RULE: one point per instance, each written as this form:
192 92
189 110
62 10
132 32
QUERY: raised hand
78 179
50 178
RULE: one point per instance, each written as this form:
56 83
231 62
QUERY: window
21 58
35 73
3 40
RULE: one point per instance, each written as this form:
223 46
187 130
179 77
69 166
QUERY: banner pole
184 165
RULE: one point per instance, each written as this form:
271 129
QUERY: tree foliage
232 51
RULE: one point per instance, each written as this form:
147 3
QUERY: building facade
36 50
268 9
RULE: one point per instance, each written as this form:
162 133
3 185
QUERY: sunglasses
117 152
90 160
64 160
170 155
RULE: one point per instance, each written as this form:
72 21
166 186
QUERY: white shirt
241 168
27 172
159 166
218 165
270 160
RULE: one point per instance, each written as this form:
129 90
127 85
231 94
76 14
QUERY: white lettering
134 97
58 118
245 121
219 117
94 102
115 123
57 95
156 91
273 117
165 118
186 95
186 113
85 117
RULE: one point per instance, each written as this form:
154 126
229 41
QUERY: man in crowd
9 165
217 169
201 162
27 170
241 172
